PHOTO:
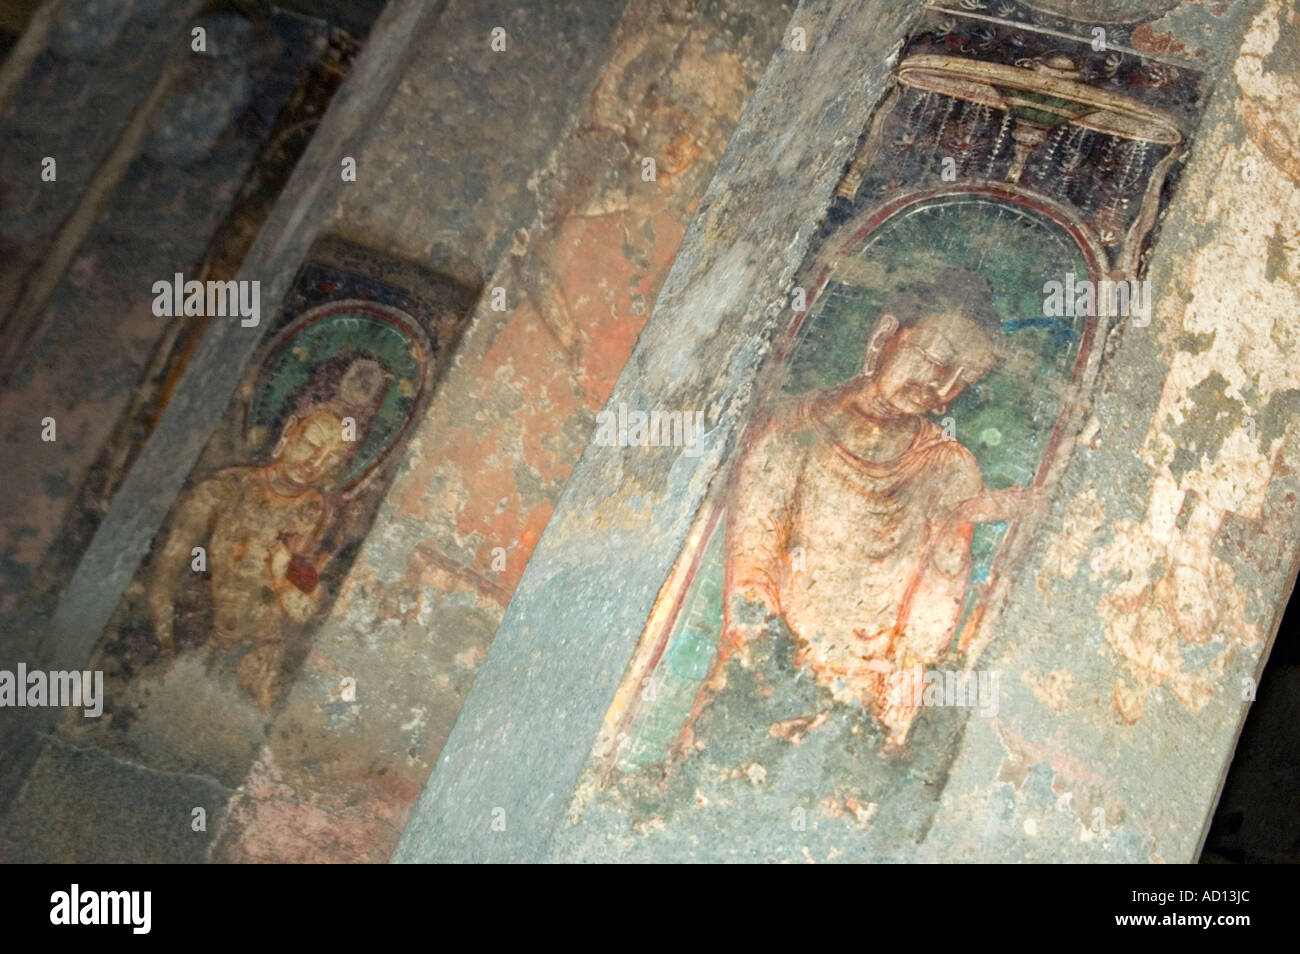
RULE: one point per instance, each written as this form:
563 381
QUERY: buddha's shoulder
949 459
941 445
230 481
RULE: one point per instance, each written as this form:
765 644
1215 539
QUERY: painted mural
913 414
874 496
502 436
337 390
257 545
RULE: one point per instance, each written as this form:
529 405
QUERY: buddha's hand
160 614
994 505
874 645
1019 501
288 563
278 559
736 641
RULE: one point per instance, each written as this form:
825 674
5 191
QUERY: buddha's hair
953 291
346 385
948 289
977 352
362 383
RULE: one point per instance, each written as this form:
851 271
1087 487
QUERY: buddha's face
313 452
919 372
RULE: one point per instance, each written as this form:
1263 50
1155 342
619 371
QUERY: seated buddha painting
867 529
258 543
813 659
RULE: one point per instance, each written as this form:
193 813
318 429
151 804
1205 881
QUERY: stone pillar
421 61
1128 669
503 781
213 152
105 62
1119 644
338 776
66 640
80 58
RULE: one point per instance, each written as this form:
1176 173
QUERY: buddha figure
851 520
266 529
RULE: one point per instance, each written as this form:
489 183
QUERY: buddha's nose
947 386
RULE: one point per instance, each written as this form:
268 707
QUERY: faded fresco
258 543
801 663
336 392
493 453
873 498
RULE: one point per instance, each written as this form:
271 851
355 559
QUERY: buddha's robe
243 519
859 557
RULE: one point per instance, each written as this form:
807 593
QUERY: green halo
349 328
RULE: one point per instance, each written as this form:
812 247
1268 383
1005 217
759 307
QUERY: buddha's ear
885 329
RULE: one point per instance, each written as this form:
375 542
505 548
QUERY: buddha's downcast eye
936 360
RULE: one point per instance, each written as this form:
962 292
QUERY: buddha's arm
990 506
756 532
932 603
927 623
757 539
190 528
